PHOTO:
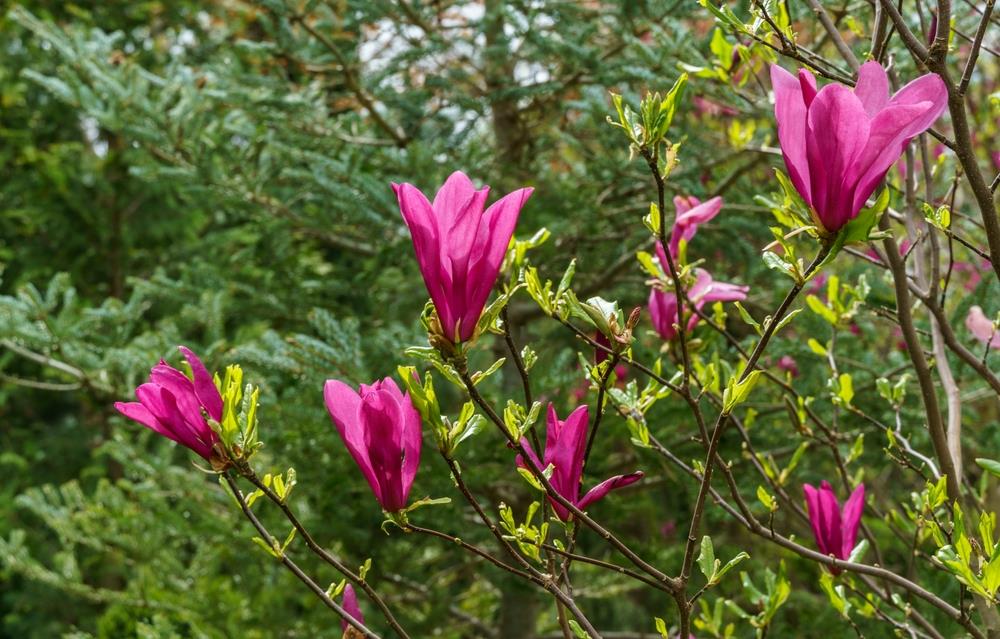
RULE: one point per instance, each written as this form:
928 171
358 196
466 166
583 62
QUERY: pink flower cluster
663 306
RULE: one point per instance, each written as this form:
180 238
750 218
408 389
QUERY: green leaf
529 477
578 631
271 550
991 466
821 309
479 376
427 501
706 558
766 499
858 552
745 315
939 217
775 262
653 219
732 563
845 388
787 319
816 347
737 392
856 449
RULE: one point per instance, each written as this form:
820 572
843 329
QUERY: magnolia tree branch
321 552
292 566
533 575
935 426
935 60
539 474
475 550
757 528
723 419
652 161
834 33
955 346
977 43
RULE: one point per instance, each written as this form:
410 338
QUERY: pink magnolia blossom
350 605
788 364
381 430
973 274
691 212
459 247
599 353
838 143
707 107
835 529
174 405
982 327
565 445
663 304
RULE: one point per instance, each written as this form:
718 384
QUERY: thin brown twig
292 566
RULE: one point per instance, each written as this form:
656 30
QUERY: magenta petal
663 313
790 112
382 419
137 412
531 456
926 88
830 520
807 82
163 405
181 388
981 327
568 456
344 406
465 237
814 507
701 213
872 87
686 222
725 292
484 264
204 385
456 191
851 519
600 490
891 129
836 134
422 221
350 605
683 204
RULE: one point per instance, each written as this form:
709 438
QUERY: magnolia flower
350 605
982 327
691 212
663 304
835 529
974 276
565 445
175 405
599 353
707 107
459 247
839 143
788 364
381 430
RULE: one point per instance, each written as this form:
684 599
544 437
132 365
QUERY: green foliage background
215 175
